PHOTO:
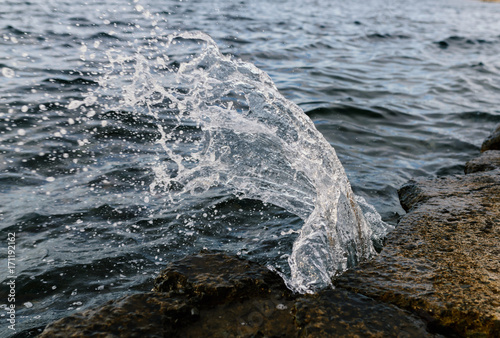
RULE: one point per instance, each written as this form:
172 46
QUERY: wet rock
339 313
215 295
140 315
216 278
489 160
443 260
493 141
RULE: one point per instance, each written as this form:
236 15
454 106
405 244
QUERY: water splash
223 123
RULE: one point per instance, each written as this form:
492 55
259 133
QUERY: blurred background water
399 88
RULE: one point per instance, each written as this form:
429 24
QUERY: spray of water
222 123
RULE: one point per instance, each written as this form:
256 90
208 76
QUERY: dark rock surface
443 260
493 141
489 160
214 295
340 313
216 279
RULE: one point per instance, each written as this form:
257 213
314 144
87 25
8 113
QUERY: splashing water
224 124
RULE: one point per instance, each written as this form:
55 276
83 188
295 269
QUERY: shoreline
438 274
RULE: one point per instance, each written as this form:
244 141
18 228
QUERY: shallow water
398 88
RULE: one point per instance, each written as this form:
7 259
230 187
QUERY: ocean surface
115 135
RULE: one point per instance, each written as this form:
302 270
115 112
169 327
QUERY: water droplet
7 72
28 304
50 179
21 132
24 109
281 307
75 104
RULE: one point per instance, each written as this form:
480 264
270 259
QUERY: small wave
12 30
479 116
387 36
104 36
235 40
348 110
82 22
461 42
75 82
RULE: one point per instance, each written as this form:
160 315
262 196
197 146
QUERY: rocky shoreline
437 275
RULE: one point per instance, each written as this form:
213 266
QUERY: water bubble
50 179
28 304
21 132
24 109
90 100
7 72
281 307
75 104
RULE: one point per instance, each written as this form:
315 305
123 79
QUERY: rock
492 142
215 295
443 260
217 279
339 313
140 315
489 160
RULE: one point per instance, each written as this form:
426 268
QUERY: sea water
135 133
